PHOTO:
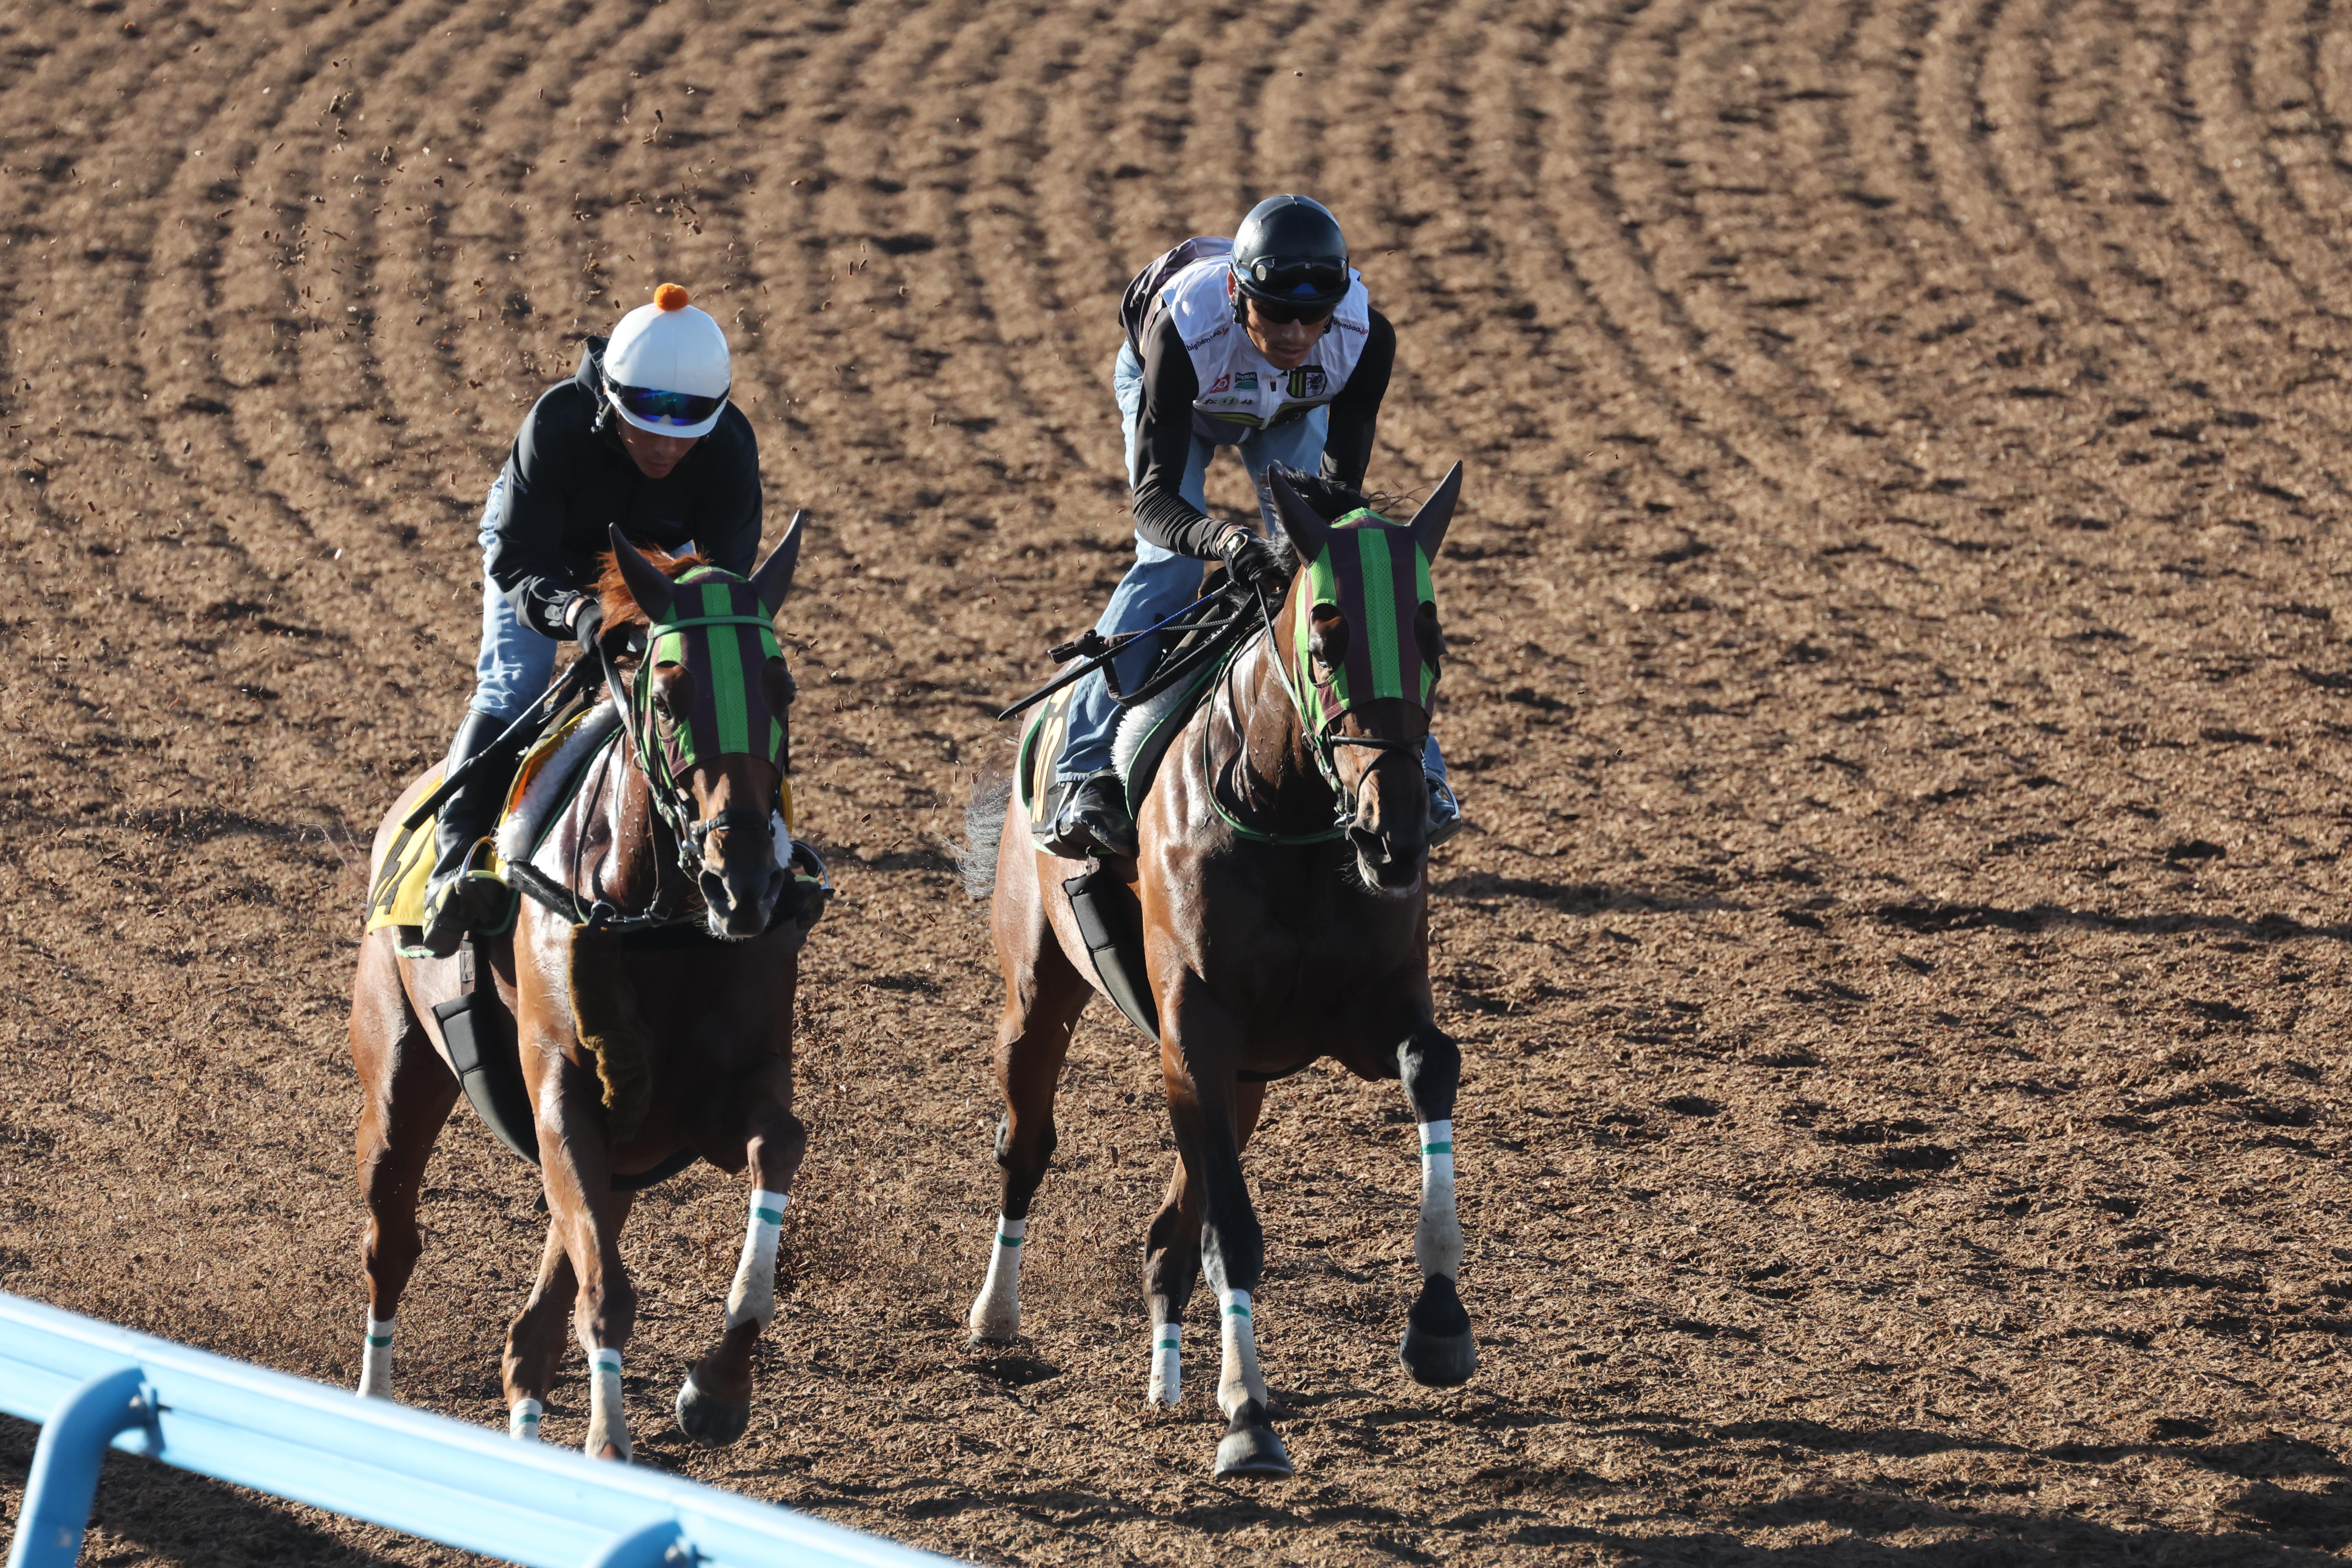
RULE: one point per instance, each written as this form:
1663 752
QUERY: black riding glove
588 624
1256 562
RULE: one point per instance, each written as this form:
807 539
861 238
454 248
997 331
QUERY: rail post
64 1480
653 1546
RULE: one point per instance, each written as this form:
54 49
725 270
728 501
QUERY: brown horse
654 1014
1285 918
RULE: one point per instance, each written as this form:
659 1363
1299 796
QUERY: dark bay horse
661 1022
1285 917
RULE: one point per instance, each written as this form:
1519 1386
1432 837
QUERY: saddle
1179 679
549 774
1171 690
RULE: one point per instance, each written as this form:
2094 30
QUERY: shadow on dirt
1930 918
181 1517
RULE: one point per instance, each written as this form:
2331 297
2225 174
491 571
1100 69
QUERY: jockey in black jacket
642 435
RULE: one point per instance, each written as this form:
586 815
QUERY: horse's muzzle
1390 862
742 899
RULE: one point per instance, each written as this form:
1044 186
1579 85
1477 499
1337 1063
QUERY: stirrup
1444 812
460 904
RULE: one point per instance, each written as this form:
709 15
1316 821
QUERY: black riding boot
466 817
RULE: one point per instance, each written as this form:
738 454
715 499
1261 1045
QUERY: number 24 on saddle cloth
396 883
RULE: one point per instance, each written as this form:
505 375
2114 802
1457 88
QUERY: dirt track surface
1900 685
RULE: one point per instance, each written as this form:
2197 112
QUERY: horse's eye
1327 636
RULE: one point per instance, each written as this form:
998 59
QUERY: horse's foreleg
1200 1042
588 1213
1172 1259
603 1312
1042 997
535 1341
714 1403
1438 1348
409 1093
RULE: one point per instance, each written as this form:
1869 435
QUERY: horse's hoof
1253 1451
1438 1351
1438 1361
712 1421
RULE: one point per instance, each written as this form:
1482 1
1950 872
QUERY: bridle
672 801
1321 745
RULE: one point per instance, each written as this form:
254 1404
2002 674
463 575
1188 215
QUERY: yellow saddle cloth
396 883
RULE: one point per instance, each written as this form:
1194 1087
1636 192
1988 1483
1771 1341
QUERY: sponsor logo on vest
1309 381
1246 381
1222 383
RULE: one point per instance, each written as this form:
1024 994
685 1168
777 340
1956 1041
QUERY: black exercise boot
1092 818
466 817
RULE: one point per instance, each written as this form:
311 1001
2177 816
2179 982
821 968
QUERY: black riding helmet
1289 252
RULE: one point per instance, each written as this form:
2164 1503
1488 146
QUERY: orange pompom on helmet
667 369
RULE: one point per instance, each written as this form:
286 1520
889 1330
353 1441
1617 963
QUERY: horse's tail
984 826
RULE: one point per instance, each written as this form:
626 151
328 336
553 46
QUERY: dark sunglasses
665 408
1283 315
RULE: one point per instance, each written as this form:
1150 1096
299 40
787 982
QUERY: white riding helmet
667 369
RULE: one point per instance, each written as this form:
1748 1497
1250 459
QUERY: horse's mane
1333 501
620 605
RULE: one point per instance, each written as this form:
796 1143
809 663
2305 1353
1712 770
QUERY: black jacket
568 479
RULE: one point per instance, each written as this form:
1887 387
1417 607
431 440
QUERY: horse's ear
1429 523
774 579
1308 533
651 590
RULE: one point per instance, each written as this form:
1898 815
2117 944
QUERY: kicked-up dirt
1899 682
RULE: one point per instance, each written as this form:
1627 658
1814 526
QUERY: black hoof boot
1250 1448
1438 1349
712 1421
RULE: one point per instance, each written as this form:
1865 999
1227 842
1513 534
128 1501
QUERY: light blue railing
92 1386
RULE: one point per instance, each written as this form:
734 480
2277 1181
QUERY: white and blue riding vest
1239 392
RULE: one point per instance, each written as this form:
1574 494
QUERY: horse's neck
1271 772
633 868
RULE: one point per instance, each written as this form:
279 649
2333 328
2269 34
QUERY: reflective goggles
1308 279
658 407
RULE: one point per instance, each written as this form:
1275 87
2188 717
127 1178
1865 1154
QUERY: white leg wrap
375 1360
996 1315
1242 1381
1167 1365
608 1419
1437 1239
522 1421
753 1297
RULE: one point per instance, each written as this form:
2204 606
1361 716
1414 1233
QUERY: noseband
735 819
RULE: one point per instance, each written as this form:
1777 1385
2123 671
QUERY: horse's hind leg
409 1091
1171 1258
1438 1348
1044 995
535 1341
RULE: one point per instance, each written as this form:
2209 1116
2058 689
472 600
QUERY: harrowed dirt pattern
1898 676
